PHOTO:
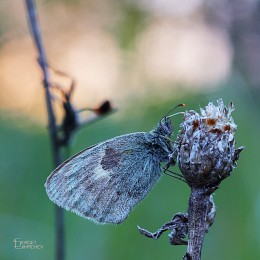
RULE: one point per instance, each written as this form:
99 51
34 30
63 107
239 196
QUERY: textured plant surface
206 145
206 155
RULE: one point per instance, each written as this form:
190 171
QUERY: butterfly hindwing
105 181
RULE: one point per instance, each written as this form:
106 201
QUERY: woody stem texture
197 213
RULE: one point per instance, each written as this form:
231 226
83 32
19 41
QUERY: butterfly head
165 127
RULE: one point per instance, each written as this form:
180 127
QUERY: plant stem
197 213
52 126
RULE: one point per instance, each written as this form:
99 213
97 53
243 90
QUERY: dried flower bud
206 145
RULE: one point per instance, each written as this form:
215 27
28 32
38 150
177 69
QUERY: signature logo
26 244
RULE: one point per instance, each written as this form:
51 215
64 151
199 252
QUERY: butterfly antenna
179 113
166 116
180 105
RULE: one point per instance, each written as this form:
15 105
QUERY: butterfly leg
178 226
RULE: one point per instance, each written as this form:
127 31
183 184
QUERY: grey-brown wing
104 182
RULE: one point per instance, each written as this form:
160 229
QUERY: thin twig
52 126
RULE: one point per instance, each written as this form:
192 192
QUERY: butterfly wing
104 182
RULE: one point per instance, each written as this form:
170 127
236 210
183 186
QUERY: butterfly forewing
104 182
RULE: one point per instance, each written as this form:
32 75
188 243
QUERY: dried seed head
206 145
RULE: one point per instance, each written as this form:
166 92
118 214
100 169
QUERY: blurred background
145 56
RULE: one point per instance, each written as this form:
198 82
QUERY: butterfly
106 181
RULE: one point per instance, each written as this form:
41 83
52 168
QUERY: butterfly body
104 182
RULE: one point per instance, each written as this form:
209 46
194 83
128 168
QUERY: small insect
106 181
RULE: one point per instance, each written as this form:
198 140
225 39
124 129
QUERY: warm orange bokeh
169 50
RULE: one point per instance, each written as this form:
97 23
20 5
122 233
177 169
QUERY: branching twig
206 156
52 125
60 135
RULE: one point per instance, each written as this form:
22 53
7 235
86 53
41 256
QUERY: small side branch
193 225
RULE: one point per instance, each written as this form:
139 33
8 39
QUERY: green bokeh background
27 213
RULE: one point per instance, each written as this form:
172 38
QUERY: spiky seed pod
206 145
